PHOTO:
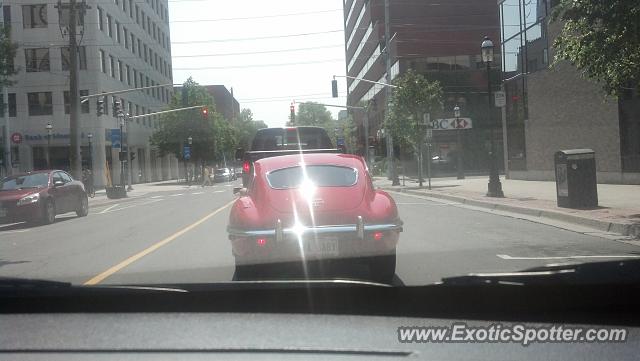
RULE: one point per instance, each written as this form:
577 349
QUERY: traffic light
117 108
334 88
205 113
100 106
292 108
132 155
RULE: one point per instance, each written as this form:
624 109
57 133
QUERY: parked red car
38 196
313 207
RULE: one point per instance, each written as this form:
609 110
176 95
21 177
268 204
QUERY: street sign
116 139
16 138
500 98
340 141
186 152
452 124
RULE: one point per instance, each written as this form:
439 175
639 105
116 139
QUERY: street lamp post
122 159
460 167
49 129
129 162
186 161
494 187
90 161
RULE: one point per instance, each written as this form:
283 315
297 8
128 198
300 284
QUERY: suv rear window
291 139
320 175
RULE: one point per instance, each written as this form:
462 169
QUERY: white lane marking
156 197
177 195
218 191
14 231
504 256
8 225
131 206
229 185
109 208
196 193
423 204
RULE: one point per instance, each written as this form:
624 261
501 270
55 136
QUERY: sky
248 46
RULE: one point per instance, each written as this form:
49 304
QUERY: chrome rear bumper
279 233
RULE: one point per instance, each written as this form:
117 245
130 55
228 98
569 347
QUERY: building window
37 59
133 43
135 78
109 26
144 24
34 16
149 26
128 75
82 58
112 64
84 107
13 107
118 39
100 19
125 33
137 15
146 58
67 102
124 5
120 71
139 49
137 111
103 64
148 84
40 103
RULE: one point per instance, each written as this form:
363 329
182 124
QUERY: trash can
576 183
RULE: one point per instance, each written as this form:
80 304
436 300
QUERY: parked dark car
222 175
39 196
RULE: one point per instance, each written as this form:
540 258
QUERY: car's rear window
319 175
221 171
291 139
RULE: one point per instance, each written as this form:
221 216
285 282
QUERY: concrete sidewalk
618 211
142 189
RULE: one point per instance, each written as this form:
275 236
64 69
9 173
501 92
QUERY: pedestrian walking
207 177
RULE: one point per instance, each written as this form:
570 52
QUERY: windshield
400 142
320 176
37 180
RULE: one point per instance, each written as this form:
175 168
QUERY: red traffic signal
205 113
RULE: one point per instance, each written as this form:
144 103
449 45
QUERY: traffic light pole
391 169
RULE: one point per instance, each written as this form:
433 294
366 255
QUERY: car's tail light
378 236
246 167
261 242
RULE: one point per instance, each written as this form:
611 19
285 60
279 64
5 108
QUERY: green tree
246 128
414 96
602 39
313 114
7 55
212 137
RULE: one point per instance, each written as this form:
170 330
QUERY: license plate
321 247
3 212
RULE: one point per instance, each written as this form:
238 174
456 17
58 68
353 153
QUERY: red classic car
38 196
313 207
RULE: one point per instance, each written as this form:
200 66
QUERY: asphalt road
177 234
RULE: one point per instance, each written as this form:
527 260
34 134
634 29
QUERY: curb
625 229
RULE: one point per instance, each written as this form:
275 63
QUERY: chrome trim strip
346 228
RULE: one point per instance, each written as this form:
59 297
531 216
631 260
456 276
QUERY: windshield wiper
621 271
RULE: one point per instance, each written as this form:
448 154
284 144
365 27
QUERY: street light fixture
460 167
190 140
494 187
49 129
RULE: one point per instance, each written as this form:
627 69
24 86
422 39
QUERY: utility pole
5 114
129 161
391 169
75 157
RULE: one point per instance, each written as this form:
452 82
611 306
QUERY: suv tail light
246 166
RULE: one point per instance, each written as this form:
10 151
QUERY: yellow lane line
102 276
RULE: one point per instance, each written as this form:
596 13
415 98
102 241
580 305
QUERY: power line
260 52
254 38
259 65
256 17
